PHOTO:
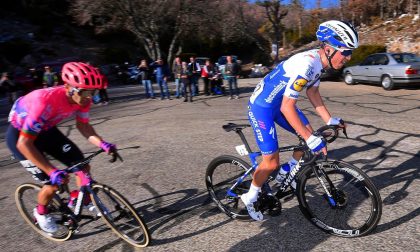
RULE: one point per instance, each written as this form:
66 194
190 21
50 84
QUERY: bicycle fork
319 172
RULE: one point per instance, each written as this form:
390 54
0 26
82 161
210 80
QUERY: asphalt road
168 144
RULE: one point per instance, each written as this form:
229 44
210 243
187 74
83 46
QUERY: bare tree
275 12
152 22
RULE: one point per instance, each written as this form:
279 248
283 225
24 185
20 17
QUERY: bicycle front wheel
120 216
221 175
26 197
352 209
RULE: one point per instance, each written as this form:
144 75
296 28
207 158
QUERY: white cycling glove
315 143
334 121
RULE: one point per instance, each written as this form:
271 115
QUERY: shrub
363 51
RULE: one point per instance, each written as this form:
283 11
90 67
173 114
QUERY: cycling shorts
263 123
51 142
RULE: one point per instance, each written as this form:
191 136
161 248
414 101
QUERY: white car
387 69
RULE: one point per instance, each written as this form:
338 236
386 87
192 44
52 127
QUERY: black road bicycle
335 196
114 209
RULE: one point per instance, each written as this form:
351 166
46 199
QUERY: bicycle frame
253 157
85 190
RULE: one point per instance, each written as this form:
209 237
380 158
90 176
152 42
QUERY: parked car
259 71
387 69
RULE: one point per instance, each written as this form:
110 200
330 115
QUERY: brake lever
344 128
115 155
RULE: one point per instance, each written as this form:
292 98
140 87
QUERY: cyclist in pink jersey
32 132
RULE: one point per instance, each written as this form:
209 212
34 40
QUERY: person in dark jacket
144 77
232 75
162 73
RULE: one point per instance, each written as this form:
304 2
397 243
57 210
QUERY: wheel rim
386 82
348 79
26 201
354 212
121 217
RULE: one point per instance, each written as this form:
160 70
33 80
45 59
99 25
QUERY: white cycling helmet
338 34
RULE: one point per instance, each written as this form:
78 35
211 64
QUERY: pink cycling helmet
81 75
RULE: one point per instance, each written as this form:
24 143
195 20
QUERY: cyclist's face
82 96
340 58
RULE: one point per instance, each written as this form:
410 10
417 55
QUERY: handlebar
330 134
77 167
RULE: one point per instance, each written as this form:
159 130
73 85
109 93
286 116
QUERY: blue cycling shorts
262 121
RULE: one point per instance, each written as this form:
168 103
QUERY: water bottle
284 170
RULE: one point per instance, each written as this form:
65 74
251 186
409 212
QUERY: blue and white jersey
288 79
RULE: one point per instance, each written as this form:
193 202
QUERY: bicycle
114 209
335 196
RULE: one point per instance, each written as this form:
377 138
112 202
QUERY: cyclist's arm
89 133
288 108
317 102
27 147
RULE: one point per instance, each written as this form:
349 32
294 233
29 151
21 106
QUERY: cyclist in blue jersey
274 101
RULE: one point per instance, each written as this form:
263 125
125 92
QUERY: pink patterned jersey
43 109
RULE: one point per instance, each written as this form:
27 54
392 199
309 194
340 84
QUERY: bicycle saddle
233 126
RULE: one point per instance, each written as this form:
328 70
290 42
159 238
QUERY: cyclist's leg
282 121
56 144
265 133
46 193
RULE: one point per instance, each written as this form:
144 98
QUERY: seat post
244 141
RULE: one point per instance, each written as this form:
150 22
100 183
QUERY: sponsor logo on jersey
299 83
309 72
66 147
259 135
275 91
253 120
36 127
261 124
272 132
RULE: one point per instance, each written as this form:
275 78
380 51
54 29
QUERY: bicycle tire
26 201
358 205
221 174
114 207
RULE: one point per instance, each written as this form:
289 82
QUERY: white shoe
236 97
256 215
92 208
45 222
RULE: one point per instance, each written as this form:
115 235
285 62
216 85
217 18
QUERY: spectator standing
186 80
144 77
50 78
195 70
103 93
162 73
232 75
176 70
208 73
9 87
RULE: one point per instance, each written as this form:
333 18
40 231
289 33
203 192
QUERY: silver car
388 69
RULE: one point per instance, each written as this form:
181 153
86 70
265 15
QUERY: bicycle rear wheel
120 216
26 196
221 174
355 207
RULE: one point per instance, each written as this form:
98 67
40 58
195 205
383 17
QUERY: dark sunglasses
346 53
